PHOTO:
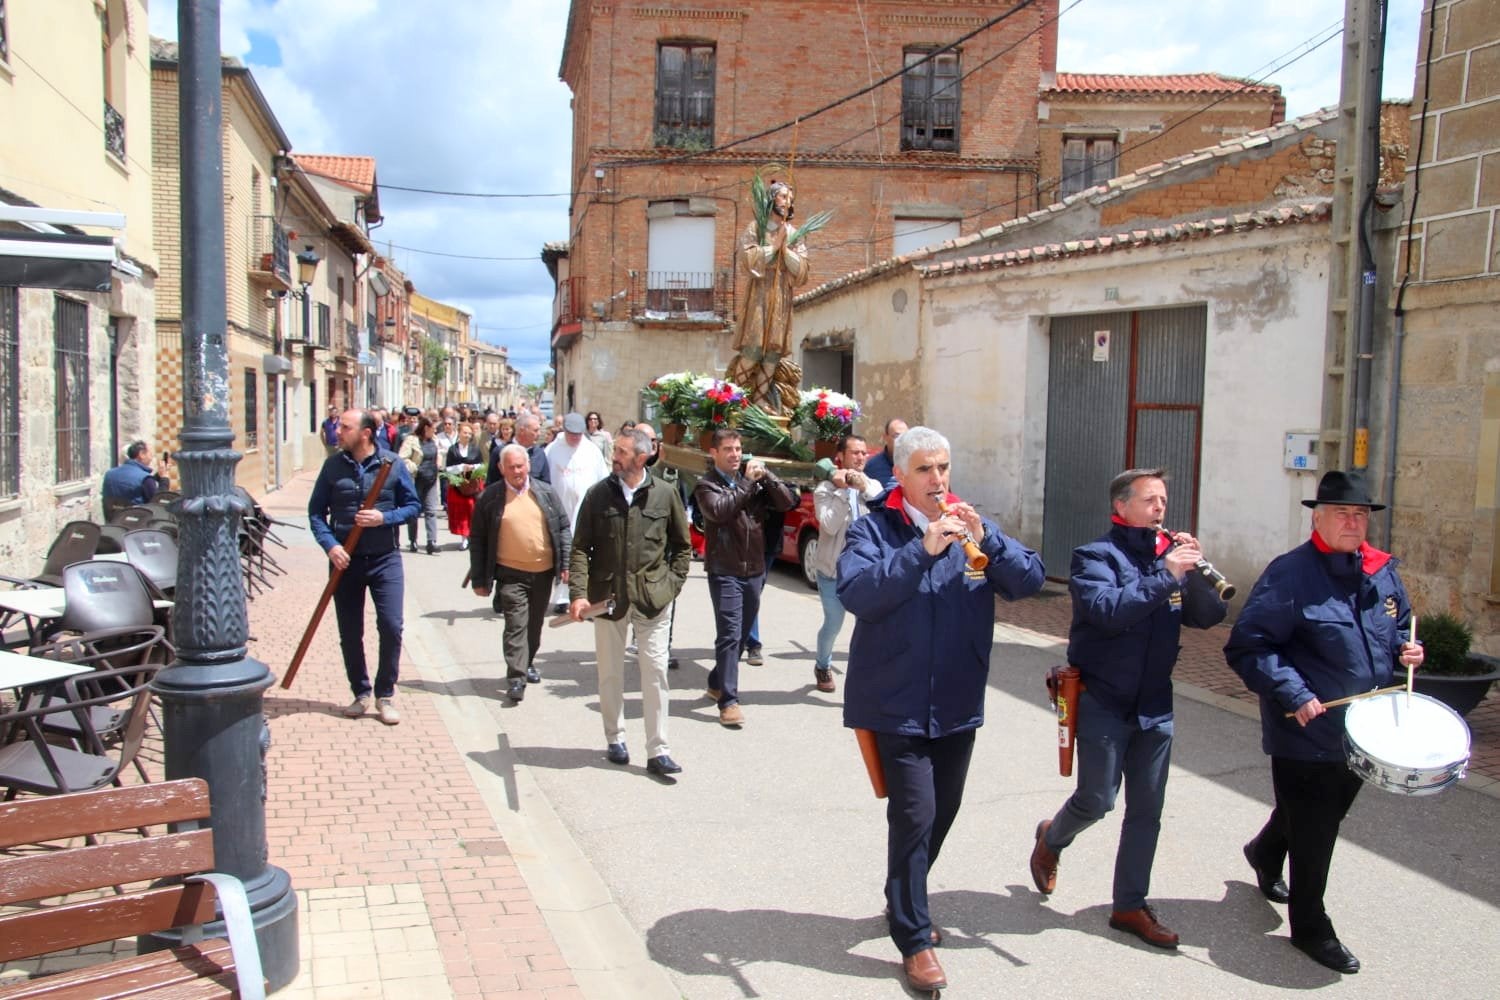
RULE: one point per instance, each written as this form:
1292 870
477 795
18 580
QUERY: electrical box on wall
1301 451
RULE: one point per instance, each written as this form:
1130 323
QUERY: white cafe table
39 602
18 671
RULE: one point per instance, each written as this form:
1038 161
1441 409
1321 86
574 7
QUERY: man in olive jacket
518 538
631 547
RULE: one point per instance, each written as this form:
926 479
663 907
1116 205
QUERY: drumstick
1408 666
1335 703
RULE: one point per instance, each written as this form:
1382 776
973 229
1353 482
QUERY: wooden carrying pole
349 543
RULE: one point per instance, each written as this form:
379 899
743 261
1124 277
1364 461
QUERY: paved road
758 872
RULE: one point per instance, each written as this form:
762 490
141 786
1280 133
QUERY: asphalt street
758 871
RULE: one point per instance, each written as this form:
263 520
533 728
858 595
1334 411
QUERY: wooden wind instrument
977 559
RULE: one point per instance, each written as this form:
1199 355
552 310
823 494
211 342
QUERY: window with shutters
684 95
930 100
70 358
252 409
1087 161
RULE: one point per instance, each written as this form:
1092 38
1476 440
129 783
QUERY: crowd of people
558 528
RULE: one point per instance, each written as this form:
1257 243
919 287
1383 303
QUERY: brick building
1095 127
947 146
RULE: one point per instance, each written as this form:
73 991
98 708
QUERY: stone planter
1460 692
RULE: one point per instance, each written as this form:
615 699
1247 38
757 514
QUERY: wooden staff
349 543
871 756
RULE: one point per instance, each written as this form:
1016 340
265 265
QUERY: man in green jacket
631 547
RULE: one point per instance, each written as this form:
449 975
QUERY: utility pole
1344 440
212 695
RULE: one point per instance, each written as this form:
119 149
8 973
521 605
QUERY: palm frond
756 425
760 202
812 225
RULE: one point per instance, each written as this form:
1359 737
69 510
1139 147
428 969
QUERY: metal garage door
1140 404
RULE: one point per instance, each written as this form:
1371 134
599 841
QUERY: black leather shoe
617 753
663 765
1330 953
533 675
1271 884
515 688
431 549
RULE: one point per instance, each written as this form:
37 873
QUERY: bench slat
59 817
26 933
41 876
204 970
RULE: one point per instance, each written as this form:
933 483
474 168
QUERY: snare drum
1411 748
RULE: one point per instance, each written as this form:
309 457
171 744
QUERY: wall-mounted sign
1101 345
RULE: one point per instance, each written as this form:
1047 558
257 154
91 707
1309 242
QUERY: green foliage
1445 642
434 361
768 437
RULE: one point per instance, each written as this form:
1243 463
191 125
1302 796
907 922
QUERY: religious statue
774 255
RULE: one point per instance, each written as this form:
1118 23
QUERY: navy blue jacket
130 482
924 624
341 488
1318 624
1128 612
879 468
538 469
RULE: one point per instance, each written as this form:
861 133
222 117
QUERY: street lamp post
307 270
213 719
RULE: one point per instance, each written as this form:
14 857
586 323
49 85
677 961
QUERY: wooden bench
31 926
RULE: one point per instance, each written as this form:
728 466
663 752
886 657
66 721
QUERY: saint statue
775 260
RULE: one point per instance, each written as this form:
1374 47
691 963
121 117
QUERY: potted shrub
674 398
714 404
1450 672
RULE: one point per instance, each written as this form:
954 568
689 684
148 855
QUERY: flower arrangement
715 402
825 415
674 396
469 483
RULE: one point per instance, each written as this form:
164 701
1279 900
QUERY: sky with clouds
463 95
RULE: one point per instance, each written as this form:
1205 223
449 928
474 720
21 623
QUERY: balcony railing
693 296
114 132
570 304
270 253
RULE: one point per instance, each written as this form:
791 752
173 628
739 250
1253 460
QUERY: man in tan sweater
519 540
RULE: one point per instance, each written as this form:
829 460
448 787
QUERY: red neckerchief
1371 559
1163 540
895 498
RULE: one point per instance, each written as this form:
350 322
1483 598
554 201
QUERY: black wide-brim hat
1346 488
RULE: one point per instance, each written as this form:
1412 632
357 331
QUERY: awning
66 261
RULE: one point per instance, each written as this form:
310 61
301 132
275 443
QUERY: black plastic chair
154 553
78 540
139 516
164 499
104 595
36 765
111 539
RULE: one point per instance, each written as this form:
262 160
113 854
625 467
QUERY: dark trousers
521 598
1312 798
384 578
736 601
925 781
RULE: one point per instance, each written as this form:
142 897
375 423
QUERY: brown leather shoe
923 971
1043 861
824 679
1144 925
731 716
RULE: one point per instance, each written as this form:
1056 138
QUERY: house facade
676 107
79 269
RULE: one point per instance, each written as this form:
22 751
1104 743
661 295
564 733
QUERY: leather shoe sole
663 765
923 971
1272 887
1329 953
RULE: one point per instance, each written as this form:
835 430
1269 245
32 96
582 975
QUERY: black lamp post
307 271
213 720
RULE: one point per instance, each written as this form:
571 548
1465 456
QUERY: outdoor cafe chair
101 594
111 539
34 764
139 516
164 499
77 541
154 553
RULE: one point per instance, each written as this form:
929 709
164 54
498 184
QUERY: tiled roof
1172 83
1098 195
1180 232
355 171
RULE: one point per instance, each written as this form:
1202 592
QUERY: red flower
718 418
822 410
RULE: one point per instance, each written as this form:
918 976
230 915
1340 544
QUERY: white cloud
463 95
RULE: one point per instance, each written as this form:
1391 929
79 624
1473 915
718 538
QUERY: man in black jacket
1133 590
735 509
519 539
631 547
